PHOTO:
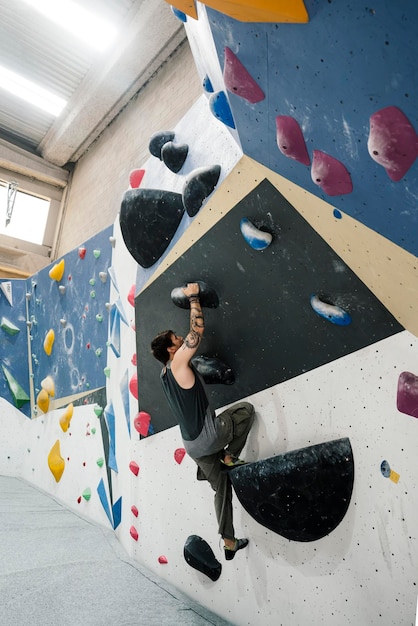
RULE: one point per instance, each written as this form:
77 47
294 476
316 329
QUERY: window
28 219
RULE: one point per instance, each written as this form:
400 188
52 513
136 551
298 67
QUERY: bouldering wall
332 258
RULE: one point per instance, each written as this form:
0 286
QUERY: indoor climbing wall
14 378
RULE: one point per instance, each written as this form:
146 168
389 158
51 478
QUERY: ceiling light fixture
90 28
29 91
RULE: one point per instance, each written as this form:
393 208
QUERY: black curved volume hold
207 296
158 140
302 495
148 220
199 555
213 370
198 186
174 155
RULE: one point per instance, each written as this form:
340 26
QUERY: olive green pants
239 418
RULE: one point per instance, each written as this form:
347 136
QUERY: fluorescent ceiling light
29 91
90 28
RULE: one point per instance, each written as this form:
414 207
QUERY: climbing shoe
239 545
234 462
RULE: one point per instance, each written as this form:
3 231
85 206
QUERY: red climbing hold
135 178
162 559
131 295
82 252
133 360
179 455
79 499
134 533
142 422
133 385
134 510
134 467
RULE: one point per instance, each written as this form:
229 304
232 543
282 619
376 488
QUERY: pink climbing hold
162 559
133 360
407 399
142 422
134 510
135 178
393 142
239 81
131 295
134 533
290 140
133 385
330 174
134 467
179 455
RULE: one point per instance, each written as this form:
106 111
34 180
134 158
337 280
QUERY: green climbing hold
9 327
107 372
93 431
98 410
20 396
92 294
87 494
100 462
92 282
99 317
99 351
96 253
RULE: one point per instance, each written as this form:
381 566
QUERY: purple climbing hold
219 107
407 399
393 142
330 174
239 81
290 140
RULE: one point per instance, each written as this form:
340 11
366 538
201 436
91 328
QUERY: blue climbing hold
207 85
330 312
179 14
219 107
256 238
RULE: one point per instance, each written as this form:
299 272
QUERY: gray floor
57 568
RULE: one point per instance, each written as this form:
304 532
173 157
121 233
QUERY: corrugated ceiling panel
39 50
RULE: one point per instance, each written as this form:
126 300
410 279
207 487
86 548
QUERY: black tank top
188 405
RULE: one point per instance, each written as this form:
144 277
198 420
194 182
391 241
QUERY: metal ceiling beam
152 34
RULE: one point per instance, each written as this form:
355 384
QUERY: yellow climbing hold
49 342
43 401
55 461
49 386
65 418
57 271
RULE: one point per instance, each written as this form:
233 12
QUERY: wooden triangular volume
6 288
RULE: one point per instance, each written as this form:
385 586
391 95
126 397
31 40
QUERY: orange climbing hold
57 271
65 418
290 11
49 342
55 461
43 401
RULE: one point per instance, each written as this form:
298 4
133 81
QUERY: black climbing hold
213 370
174 155
207 296
158 140
148 220
200 556
198 186
302 495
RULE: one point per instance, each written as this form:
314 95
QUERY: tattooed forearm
197 322
192 340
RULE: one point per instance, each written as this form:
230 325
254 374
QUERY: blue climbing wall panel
331 75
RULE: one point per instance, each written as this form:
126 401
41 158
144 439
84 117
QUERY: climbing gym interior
289 190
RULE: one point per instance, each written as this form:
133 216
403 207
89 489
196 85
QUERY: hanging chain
11 197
